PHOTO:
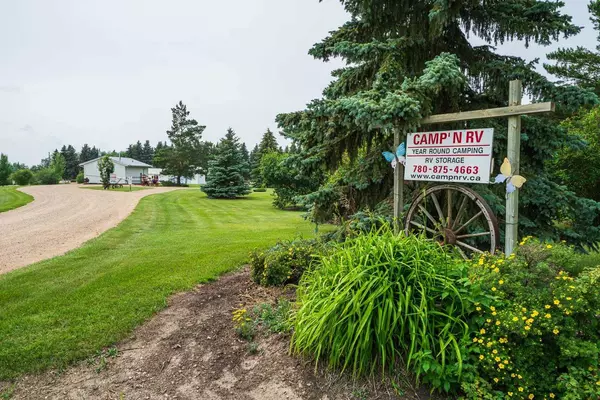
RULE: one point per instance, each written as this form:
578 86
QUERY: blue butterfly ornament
399 157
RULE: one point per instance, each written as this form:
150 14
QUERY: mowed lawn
11 198
64 309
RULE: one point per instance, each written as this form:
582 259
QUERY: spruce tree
254 159
226 170
246 158
409 59
147 153
183 157
5 170
71 162
580 65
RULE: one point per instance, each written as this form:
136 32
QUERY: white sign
463 156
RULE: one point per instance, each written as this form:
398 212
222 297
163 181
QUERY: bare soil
59 219
191 351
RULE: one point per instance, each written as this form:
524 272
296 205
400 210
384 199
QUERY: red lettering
470 136
479 136
416 139
457 137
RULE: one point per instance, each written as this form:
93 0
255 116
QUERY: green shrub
381 298
283 263
260 190
22 177
274 318
80 177
540 336
46 176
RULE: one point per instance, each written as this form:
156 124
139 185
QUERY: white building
125 169
195 180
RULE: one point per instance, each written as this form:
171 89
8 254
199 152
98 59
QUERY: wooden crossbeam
499 112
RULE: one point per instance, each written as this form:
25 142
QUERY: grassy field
11 198
64 309
125 188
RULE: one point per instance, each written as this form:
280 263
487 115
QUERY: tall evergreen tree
246 158
147 153
86 154
183 157
226 170
255 165
410 59
71 162
580 65
94 153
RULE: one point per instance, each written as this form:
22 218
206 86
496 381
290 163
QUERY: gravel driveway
61 218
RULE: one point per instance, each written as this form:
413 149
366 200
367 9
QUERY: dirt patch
191 351
61 218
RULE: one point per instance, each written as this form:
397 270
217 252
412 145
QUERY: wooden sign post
514 111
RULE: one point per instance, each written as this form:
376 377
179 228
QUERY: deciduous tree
106 167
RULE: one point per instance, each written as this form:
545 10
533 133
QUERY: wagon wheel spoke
466 246
474 235
429 216
461 211
437 207
424 227
462 253
449 206
468 222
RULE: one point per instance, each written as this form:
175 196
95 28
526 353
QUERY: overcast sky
107 72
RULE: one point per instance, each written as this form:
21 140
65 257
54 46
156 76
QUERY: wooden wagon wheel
454 215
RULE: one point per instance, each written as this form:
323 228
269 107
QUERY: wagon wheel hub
449 236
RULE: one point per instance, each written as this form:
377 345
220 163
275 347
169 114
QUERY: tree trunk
178 180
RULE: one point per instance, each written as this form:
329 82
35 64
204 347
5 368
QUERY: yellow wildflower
474 340
482 331
481 357
497 322
497 359
494 313
520 389
527 328
524 309
548 247
555 331
496 270
478 308
531 396
496 380
569 298
510 394
495 351
494 289
551 395
501 366
547 306
512 375
556 301
492 308
500 282
519 376
515 319
548 316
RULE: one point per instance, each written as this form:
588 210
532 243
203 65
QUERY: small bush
284 263
540 336
274 318
260 190
46 176
22 177
381 298
244 325
79 178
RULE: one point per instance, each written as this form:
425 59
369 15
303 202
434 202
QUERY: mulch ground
191 351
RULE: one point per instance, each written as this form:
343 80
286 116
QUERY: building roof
125 161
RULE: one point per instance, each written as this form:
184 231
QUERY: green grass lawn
125 188
11 198
64 309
